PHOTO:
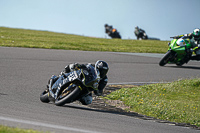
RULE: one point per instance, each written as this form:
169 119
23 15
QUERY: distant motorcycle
71 86
115 34
178 54
112 32
142 36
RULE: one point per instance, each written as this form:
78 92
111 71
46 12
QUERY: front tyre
180 63
68 97
44 97
166 58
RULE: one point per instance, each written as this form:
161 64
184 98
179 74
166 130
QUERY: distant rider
139 32
103 68
112 32
108 29
194 40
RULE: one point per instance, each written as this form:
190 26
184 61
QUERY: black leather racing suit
195 40
103 81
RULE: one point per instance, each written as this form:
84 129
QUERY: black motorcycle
112 32
115 34
142 36
71 86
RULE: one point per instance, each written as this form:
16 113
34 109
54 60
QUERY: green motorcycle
179 52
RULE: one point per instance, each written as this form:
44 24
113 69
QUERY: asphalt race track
25 72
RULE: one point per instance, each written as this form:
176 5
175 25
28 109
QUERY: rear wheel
166 58
44 97
68 96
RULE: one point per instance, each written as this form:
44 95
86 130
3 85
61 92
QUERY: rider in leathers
138 32
195 40
102 66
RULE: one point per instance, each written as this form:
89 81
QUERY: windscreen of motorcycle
91 77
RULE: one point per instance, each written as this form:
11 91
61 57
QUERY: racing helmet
181 42
196 32
102 66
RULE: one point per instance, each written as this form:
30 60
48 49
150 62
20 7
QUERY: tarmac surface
25 72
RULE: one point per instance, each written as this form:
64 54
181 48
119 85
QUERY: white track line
46 125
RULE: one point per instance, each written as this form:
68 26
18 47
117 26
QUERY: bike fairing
89 80
102 66
179 51
77 84
60 82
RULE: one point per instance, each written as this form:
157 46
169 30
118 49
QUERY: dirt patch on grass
110 105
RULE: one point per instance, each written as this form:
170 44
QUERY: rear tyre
44 97
68 97
166 58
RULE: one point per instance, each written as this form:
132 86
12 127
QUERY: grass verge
5 129
10 37
178 101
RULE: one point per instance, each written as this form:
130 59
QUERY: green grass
178 101
5 129
11 37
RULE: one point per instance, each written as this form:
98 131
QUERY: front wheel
166 58
44 96
68 96
179 63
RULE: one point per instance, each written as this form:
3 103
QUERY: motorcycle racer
194 40
139 33
112 32
194 35
108 29
100 66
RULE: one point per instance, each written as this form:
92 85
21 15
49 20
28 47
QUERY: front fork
52 93
172 57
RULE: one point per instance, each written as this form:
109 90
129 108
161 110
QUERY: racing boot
87 99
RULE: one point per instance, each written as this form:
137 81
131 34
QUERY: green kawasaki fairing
176 54
178 49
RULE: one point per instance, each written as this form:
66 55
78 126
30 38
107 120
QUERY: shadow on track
109 109
132 114
185 67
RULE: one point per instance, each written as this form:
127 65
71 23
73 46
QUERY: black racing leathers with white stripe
102 84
